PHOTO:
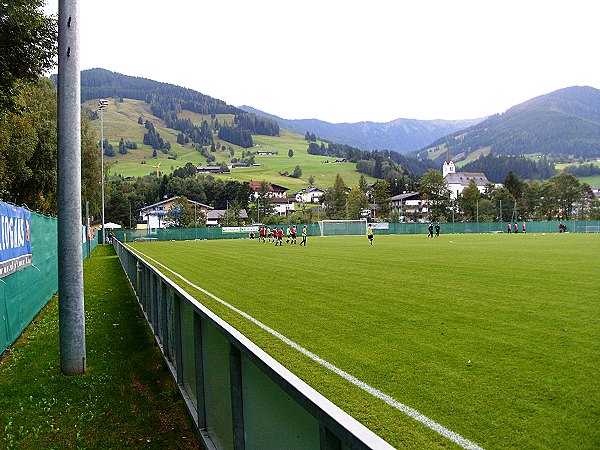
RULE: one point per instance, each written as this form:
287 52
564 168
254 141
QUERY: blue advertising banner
15 239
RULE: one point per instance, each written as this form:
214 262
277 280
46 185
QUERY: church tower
448 166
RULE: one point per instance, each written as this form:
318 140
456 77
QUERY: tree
434 190
232 215
311 180
181 214
290 152
90 167
502 198
569 192
28 174
117 204
297 172
335 199
514 185
381 197
549 204
468 201
357 201
29 47
265 206
362 184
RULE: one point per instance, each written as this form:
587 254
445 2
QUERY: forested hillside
167 100
564 123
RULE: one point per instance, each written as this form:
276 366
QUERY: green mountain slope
121 121
563 123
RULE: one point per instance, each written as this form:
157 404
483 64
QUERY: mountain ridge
400 135
564 123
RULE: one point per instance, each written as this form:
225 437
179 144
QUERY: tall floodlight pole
102 104
70 264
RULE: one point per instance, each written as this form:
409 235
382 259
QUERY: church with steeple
458 181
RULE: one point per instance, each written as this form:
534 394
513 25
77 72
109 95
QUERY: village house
265 152
458 181
154 216
274 190
409 205
283 206
210 169
217 217
309 195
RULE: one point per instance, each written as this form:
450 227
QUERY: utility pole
102 104
70 263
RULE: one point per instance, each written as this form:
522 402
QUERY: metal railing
238 396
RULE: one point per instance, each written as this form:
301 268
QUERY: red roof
255 185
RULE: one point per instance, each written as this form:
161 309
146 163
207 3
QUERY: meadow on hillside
121 121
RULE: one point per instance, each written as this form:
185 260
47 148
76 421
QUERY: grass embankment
127 399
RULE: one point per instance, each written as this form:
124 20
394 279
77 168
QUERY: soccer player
275 235
303 235
269 233
437 229
280 237
288 234
430 229
294 234
370 234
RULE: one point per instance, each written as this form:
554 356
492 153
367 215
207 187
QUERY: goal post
343 227
591 229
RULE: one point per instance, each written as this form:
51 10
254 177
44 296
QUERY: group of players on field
276 235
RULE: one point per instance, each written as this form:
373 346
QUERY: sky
346 60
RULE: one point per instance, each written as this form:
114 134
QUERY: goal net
591 229
343 227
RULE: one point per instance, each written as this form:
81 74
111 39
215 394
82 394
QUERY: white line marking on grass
413 413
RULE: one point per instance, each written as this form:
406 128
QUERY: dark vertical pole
199 363
328 441
178 338
70 263
87 229
237 403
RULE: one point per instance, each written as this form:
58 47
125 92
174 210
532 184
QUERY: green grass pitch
495 337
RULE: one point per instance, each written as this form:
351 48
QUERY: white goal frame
343 227
591 229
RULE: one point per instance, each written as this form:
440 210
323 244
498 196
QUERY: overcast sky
349 61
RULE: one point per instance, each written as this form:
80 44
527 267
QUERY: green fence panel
24 293
180 234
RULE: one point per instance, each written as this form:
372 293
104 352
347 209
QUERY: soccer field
495 337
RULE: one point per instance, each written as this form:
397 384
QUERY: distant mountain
400 135
562 123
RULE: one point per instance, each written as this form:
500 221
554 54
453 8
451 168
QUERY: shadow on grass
127 398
